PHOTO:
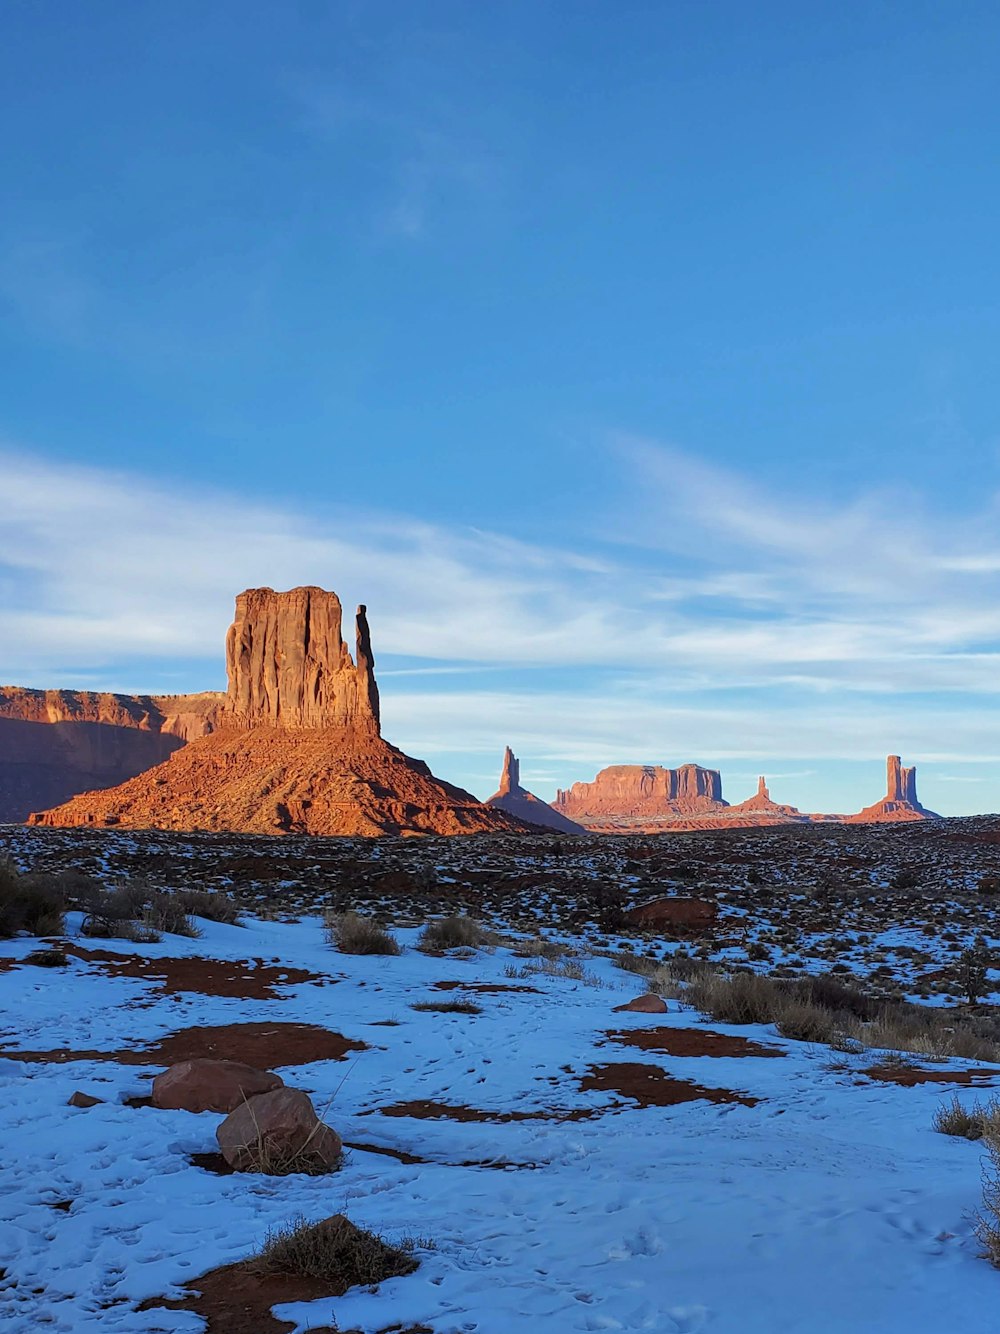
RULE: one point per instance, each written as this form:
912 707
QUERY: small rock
276 1133
649 1004
83 1100
211 1085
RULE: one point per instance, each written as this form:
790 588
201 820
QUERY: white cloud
739 625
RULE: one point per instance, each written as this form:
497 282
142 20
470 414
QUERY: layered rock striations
296 745
57 743
900 802
518 801
642 797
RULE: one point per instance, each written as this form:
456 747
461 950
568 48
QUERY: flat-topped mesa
642 791
288 665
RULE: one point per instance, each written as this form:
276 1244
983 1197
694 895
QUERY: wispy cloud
733 622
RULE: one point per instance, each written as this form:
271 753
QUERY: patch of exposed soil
428 1110
212 1162
411 1159
262 1045
483 988
690 1042
650 1087
907 1076
250 979
235 1299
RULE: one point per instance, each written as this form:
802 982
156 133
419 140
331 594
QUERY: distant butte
900 802
296 746
517 800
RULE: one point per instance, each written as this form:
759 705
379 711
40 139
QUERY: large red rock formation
57 743
760 809
900 801
296 745
517 800
642 796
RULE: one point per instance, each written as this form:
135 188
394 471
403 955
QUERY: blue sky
635 363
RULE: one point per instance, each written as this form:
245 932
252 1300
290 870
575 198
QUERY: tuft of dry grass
450 933
214 905
979 1120
47 958
351 933
133 912
448 1007
336 1252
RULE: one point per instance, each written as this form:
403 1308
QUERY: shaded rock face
677 915
296 746
57 743
633 794
900 802
517 801
288 665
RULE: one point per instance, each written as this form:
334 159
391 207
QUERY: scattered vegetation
335 1251
973 970
974 1122
351 933
825 1009
451 933
448 1007
214 905
31 902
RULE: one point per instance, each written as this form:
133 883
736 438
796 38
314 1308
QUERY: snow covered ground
829 1206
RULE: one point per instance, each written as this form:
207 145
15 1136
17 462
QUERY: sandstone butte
631 798
294 746
517 800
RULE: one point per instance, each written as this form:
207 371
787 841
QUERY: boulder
673 915
79 1099
277 1133
648 1004
210 1086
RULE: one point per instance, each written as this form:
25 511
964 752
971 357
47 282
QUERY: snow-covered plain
829 1206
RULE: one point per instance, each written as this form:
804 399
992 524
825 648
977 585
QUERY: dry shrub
974 1122
47 958
987 1220
805 1022
450 933
744 998
351 933
133 912
30 902
336 1252
214 905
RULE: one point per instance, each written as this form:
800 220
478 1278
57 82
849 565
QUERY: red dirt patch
262 1045
428 1110
484 988
690 1042
234 1299
907 1076
242 979
650 1087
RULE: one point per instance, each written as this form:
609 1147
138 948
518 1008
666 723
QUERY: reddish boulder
648 1004
79 1099
673 915
277 1133
210 1086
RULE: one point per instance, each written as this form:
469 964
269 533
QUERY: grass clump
31 902
451 933
974 1122
336 1252
351 933
214 905
448 1007
47 958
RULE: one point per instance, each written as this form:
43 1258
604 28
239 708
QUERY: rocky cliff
518 801
57 743
296 745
